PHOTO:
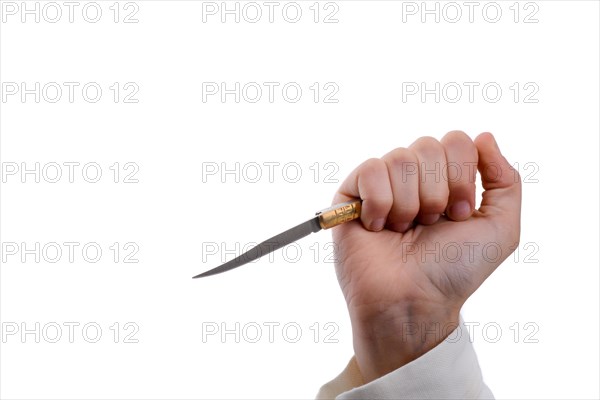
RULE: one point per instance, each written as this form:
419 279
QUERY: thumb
501 183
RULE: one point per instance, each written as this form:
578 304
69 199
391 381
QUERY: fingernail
460 210
378 224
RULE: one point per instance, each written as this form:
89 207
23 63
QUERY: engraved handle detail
339 213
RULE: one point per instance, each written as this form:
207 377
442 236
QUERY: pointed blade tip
206 273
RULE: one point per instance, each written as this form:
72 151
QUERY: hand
421 248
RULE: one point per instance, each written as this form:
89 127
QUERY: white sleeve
448 371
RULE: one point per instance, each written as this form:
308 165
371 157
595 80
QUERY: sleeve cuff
448 371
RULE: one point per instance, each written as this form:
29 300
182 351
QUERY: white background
174 212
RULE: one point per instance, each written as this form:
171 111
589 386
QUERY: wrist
391 337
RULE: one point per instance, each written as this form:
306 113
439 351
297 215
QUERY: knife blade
324 219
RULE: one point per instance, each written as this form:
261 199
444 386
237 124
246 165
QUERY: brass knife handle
339 213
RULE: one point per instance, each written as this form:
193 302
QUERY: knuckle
426 141
400 156
457 135
373 165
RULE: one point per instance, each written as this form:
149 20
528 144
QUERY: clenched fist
421 248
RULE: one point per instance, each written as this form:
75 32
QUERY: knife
324 219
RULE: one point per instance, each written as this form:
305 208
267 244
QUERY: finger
371 183
461 168
403 170
433 189
502 187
